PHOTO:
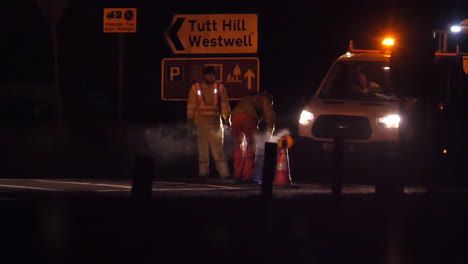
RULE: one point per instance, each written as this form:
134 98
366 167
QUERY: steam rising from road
261 139
171 143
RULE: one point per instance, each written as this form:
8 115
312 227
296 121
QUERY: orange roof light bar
387 45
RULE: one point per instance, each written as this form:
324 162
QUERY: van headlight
306 117
389 121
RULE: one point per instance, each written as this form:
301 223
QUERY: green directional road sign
239 75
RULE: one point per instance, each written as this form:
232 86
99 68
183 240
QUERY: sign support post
58 92
121 84
120 20
53 10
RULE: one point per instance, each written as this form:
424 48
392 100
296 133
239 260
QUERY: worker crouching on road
245 119
207 103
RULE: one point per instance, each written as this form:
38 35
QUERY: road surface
212 188
83 220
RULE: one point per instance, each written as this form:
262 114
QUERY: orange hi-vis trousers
244 126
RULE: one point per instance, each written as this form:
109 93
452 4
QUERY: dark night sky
296 46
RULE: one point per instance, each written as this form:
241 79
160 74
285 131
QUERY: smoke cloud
261 138
169 143
278 135
174 142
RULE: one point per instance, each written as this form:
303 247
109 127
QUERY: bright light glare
455 29
306 117
388 42
390 121
348 54
444 151
386 68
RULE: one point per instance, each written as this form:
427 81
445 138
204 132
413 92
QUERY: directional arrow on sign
177 75
249 75
171 35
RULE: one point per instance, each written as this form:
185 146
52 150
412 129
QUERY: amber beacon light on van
385 47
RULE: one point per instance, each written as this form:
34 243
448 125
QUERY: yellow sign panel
120 20
219 33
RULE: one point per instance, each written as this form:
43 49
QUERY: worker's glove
227 124
269 133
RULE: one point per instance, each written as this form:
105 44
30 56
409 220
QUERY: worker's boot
223 169
203 171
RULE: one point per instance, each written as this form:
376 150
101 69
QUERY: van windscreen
359 80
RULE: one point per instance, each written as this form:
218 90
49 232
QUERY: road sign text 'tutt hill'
213 33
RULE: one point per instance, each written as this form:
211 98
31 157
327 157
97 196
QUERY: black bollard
142 182
338 163
269 167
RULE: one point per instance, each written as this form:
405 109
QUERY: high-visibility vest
206 109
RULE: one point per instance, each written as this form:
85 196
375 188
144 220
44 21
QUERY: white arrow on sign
249 75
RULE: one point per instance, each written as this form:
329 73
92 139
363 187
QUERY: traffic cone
282 175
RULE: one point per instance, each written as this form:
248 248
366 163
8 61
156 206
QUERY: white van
356 102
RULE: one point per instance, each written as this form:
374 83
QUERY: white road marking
414 190
222 187
86 183
27 187
208 185
212 187
185 189
352 188
111 190
167 190
15 179
124 186
358 189
129 187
